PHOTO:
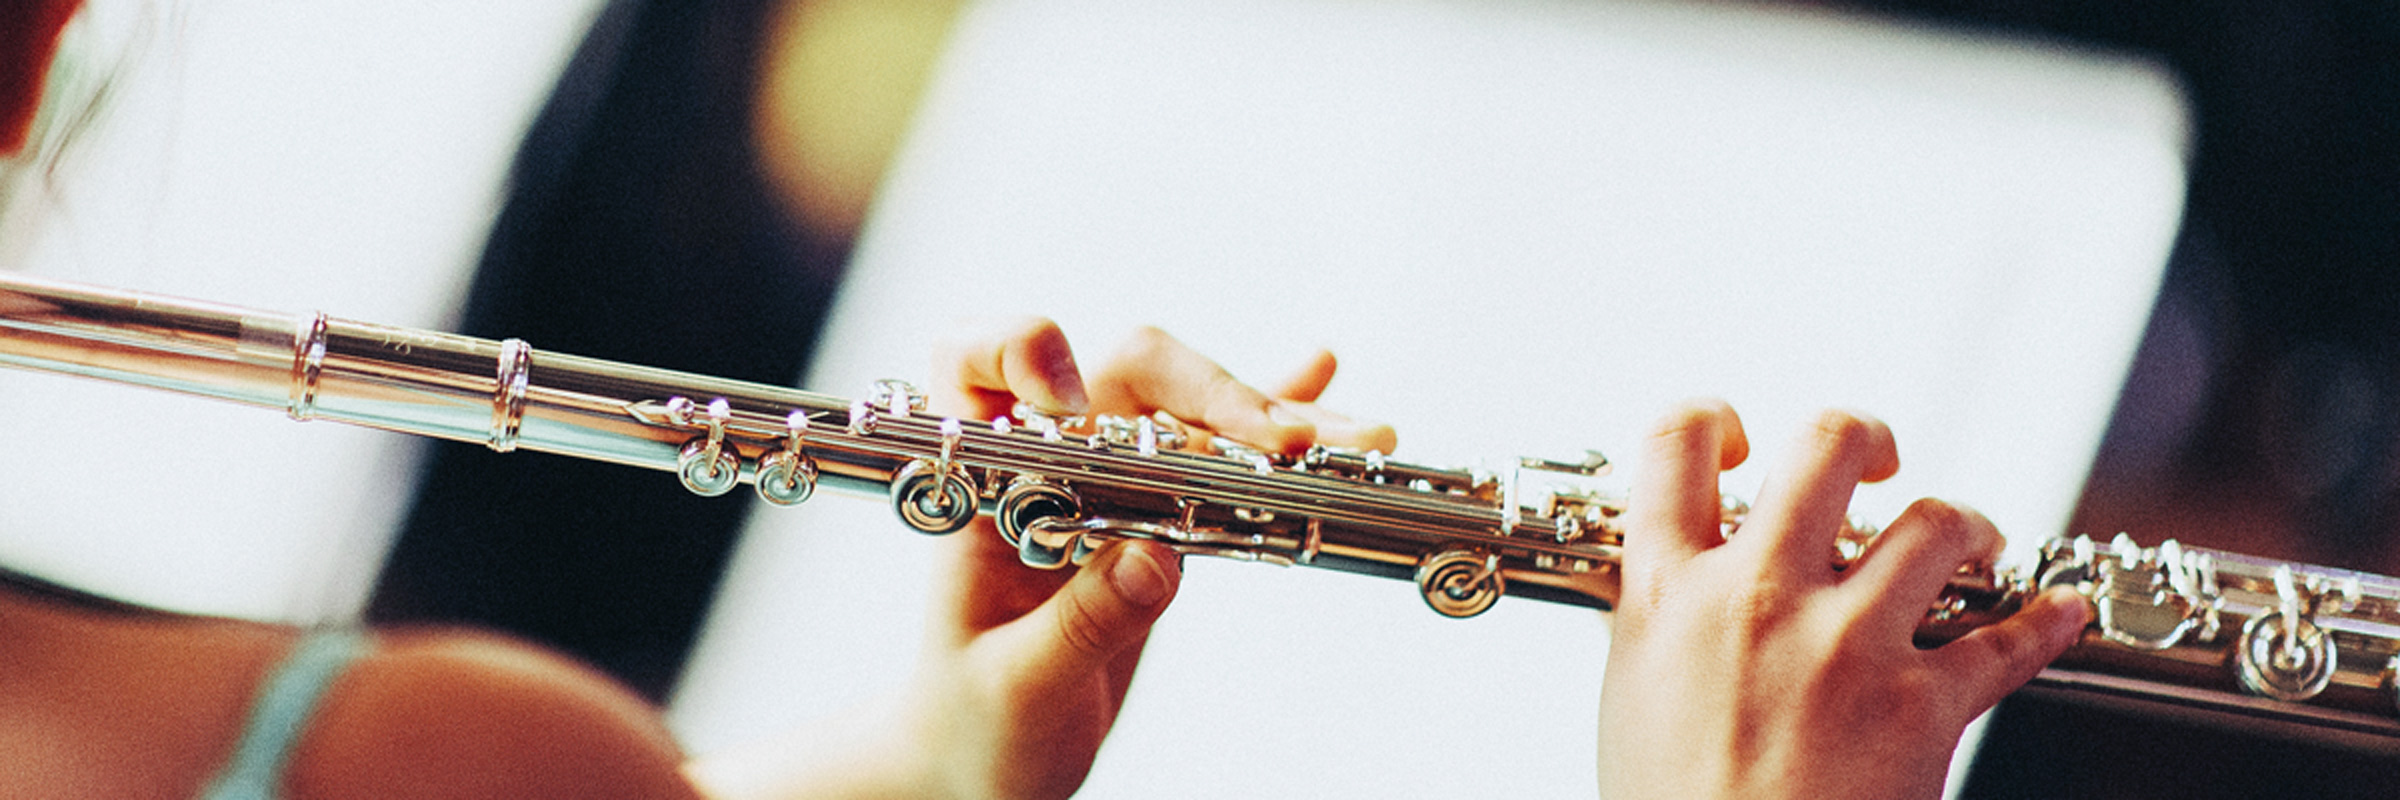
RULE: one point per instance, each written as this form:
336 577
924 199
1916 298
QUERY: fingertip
1997 659
1309 381
1145 574
1698 421
1677 509
1374 436
2067 612
1733 447
1992 543
1290 432
992 363
1884 459
1056 383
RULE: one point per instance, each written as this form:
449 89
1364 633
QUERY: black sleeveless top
636 229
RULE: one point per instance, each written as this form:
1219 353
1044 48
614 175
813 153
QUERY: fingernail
1284 417
1065 383
1139 577
2074 612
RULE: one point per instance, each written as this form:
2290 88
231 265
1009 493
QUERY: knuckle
1688 431
1757 607
1689 419
990 332
1918 691
1146 343
2013 650
1956 528
1032 332
1942 518
1837 430
1081 627
1857 638
1225 393
1032 326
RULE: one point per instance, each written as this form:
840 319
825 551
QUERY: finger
1154 372
1306 383
1992 661
1336 429
1907 565
1675 509
1299 392
987 367
1802 509
1089 626
982 584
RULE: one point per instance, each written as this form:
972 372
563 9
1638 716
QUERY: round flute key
1460 583
787 478
931 500
1030 500
708 469
2294 668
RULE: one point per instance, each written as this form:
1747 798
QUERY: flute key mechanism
2283 653
2314 645
788 477
1030 500
1460 583
936 495
2143 598
708 465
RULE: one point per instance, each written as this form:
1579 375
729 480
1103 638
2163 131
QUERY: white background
1526 227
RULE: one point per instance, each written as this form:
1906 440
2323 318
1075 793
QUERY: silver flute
2310 648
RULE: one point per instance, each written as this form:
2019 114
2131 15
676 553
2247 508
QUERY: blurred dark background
2261 413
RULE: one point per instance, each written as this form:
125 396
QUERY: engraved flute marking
508 397
308 364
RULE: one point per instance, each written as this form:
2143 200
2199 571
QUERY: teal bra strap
282 711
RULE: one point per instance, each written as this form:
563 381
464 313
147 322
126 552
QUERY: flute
2311 646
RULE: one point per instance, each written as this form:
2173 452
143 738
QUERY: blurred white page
1526 227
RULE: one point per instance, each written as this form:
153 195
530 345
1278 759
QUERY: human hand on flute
1024 670
1752 667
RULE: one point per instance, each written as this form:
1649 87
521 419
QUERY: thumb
1993 661
1105 608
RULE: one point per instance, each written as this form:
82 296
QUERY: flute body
2309 647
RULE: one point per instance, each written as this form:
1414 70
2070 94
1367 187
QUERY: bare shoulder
461 715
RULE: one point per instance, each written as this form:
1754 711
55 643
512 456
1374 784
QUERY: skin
1751 668
107 703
